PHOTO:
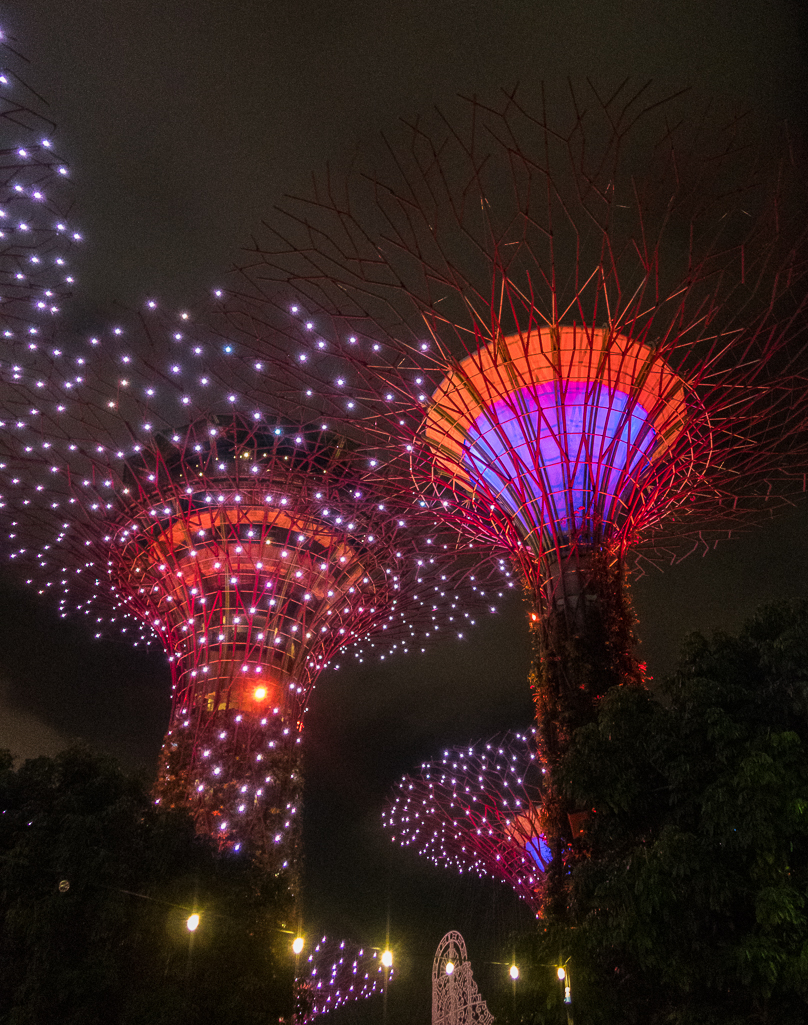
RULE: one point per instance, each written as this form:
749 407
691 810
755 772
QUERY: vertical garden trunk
582 629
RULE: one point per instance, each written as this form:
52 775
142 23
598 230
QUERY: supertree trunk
583 641
255 801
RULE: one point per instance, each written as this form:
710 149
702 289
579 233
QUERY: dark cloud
23 733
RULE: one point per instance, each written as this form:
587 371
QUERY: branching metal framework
336 973
237 556
255 550
478 809
584 329
36 232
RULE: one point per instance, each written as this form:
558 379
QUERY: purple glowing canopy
561 454
559 428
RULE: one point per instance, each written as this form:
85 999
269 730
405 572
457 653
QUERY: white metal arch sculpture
455 997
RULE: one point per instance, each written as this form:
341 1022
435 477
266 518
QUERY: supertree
581 331
145 487
478 809
36 232
253 578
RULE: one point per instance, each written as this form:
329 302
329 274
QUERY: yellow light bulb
514 972
297 946
449 967
387 958
260 693
193 922
561 974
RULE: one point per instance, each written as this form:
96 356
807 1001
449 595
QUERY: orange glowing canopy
560 424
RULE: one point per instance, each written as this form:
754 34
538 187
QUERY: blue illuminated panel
537 848
560 456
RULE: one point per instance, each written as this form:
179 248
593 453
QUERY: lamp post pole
564 978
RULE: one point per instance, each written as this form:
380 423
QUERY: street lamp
514 972
297 945
564 979
193 922
387 959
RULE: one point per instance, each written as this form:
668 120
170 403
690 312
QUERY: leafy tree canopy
96 886
688 897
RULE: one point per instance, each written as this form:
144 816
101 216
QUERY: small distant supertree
579 326
478 809
36 231
336 973
146 490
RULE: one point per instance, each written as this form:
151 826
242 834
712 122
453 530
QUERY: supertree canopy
563 428
36 232
582 332
478 809
254 549
581 340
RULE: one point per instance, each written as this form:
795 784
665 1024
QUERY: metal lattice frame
238 558
602 290
478 809
37 235
580 326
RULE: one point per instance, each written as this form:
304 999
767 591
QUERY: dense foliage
96 886
688 901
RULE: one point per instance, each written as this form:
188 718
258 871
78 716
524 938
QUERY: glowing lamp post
563 976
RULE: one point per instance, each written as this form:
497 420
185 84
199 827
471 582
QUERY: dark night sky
185 121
